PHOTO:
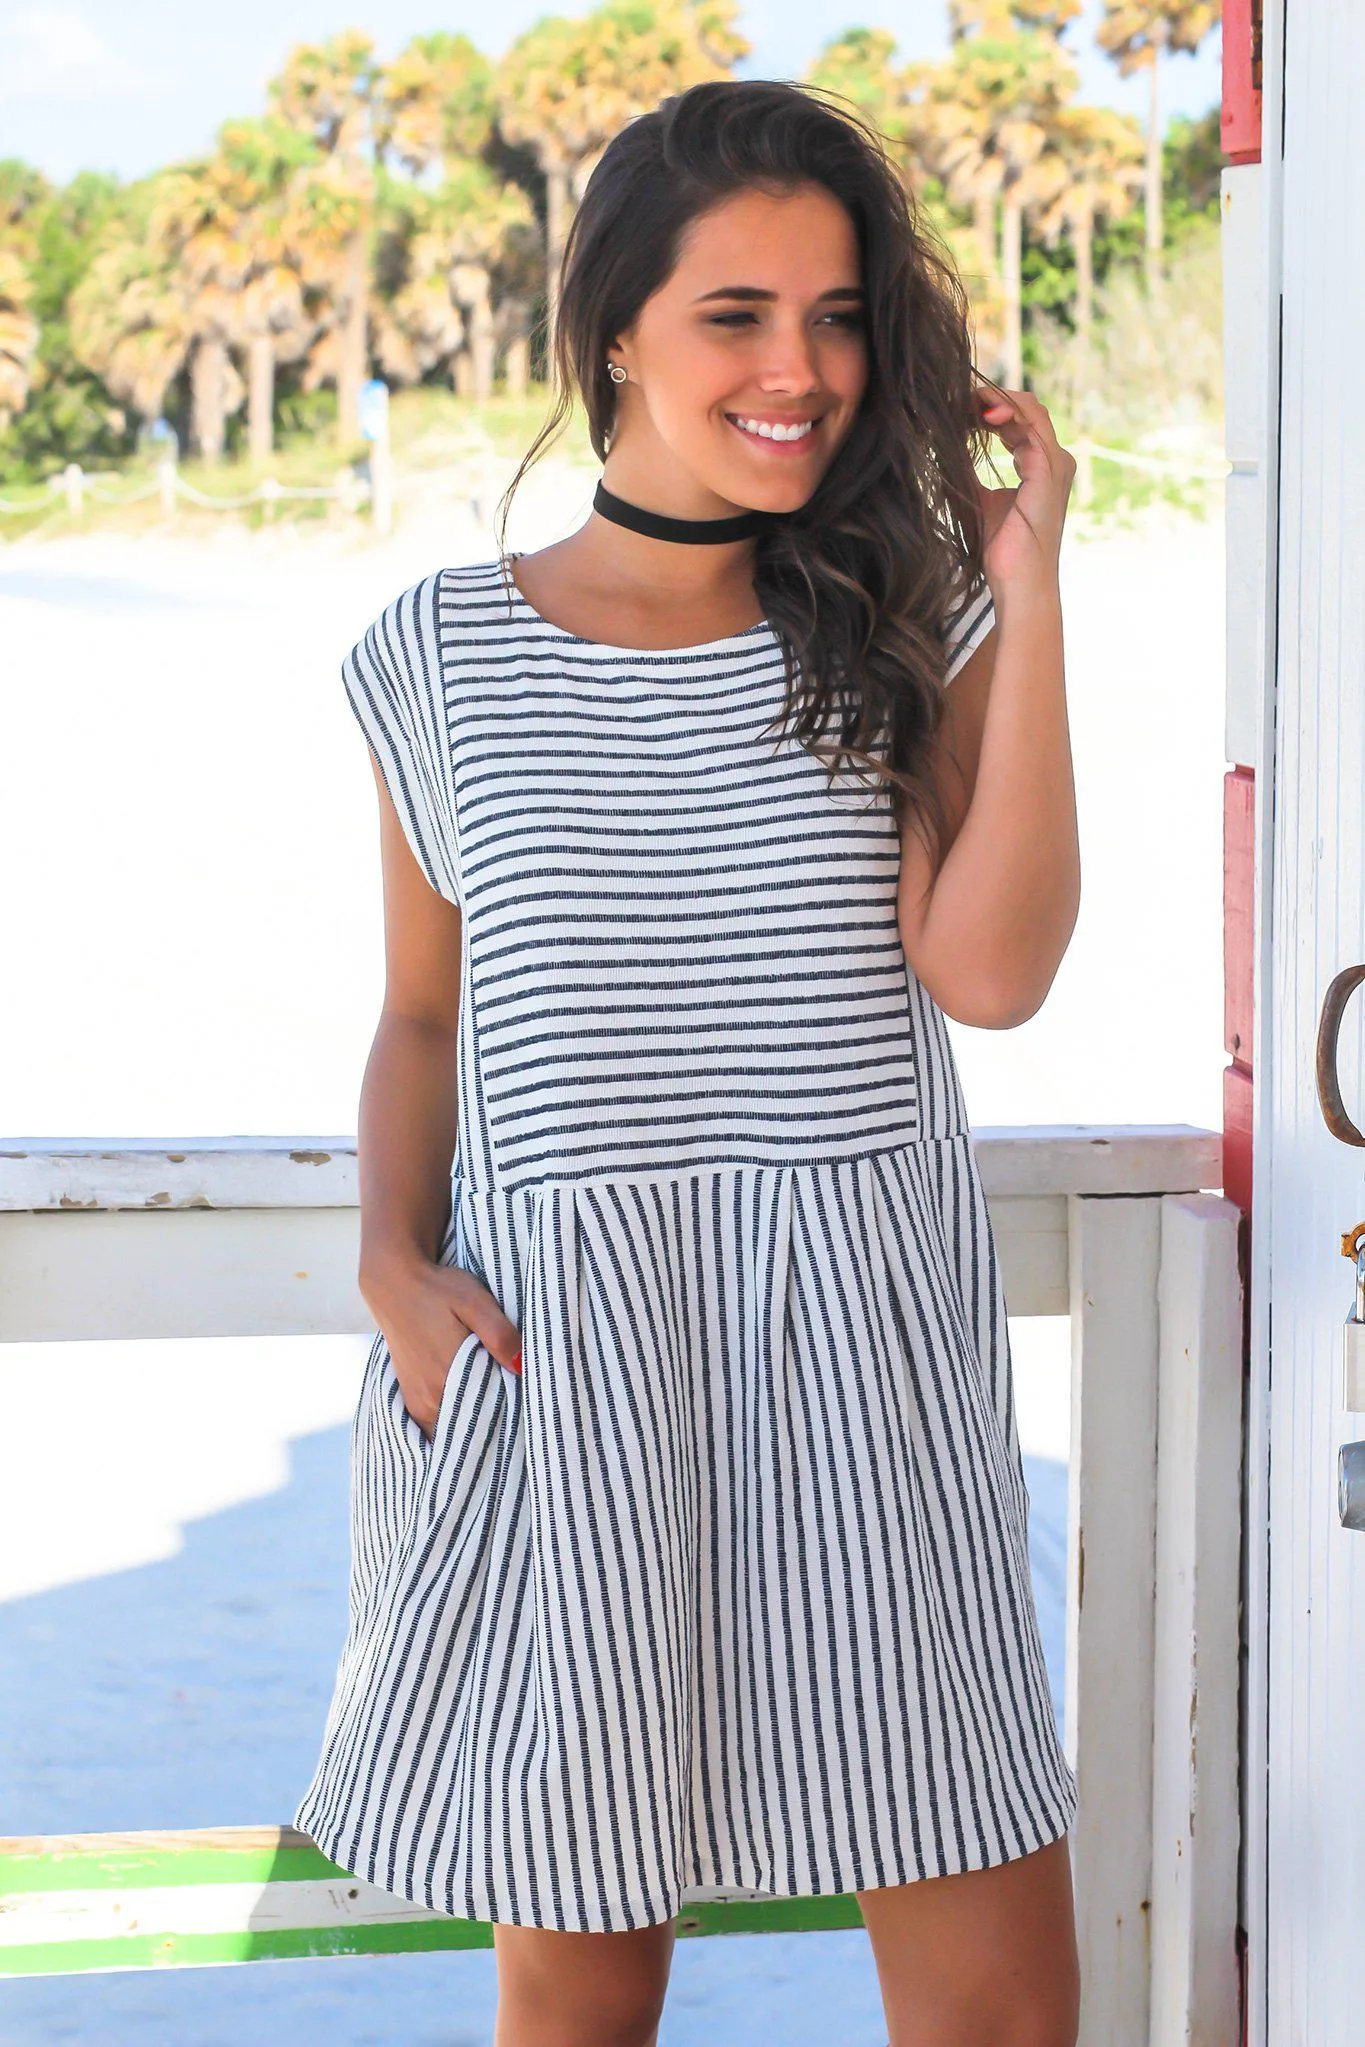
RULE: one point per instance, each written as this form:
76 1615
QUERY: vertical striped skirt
729 1587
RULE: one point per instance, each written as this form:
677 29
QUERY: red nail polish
515 1365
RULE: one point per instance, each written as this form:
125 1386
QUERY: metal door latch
1351 1456
1353 1344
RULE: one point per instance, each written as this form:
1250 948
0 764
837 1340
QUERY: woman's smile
774 435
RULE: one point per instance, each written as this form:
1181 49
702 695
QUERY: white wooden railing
1119 1227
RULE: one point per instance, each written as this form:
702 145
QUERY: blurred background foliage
406 220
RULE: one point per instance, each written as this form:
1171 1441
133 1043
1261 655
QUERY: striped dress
729 1588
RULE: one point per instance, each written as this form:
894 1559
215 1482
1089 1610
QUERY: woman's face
761 321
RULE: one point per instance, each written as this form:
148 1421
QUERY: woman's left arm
987 936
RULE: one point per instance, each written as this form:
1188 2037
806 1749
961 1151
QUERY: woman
688 1514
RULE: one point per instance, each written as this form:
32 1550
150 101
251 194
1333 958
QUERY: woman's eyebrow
753 291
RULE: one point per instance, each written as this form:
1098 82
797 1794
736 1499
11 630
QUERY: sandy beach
192 936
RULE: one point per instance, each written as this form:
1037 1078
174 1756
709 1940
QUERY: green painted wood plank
170 1950
119 1862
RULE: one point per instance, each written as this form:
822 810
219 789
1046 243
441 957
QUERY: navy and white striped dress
729 1588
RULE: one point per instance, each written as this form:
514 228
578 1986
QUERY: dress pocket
461 1365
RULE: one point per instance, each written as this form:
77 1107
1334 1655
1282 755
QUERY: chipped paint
311 1158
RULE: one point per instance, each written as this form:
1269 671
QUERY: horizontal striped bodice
680 935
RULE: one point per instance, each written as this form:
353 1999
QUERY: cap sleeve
394 681
967 626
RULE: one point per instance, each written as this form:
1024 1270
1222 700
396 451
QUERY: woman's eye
844 319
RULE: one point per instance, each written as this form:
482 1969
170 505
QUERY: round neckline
746 632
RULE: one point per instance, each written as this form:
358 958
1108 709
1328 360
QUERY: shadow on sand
191 1692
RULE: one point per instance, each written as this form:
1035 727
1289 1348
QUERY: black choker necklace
661 526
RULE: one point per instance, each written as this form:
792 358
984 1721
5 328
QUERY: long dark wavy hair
860 581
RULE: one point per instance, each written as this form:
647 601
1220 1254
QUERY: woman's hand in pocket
425 1311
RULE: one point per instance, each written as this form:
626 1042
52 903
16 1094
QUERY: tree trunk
983 214
1152 202
354 342
260 398
482 343
1085 283
1011 266
208 414
516 373
556 228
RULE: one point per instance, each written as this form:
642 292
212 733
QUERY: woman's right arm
406 1138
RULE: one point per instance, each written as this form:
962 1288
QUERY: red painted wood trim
1239 870
1240 127
1237 1135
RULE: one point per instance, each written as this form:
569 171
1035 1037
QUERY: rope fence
76 484
352 491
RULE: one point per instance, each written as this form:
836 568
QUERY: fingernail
515 1365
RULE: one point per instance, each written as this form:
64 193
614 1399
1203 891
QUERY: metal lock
1351 1485
1351 1456
1353 1378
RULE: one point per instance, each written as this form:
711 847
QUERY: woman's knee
581 1989
983 1959
1046 2016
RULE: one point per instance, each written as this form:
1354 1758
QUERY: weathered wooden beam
1195 1823
1111 1550
320 1172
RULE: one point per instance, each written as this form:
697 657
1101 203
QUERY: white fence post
1195 1820
381 484
165 474
1114 1253
73 478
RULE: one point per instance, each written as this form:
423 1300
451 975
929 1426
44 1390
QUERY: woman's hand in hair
1023 526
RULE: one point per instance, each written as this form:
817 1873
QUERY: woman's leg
987 1959
581 1989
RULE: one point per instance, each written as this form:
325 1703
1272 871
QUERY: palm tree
1003 17
196 220
566 87
1137 33
1100 153
984 120
857 66
268 164
23 192
130 318
18 334
436 110
328 91
162 292
452 241
434 103
997 20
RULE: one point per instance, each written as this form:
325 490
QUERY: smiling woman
858 439
690 1519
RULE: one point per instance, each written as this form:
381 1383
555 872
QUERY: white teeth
775 433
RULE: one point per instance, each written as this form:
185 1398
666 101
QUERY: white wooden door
1305 1837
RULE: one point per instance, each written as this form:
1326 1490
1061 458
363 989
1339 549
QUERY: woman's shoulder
966 622
418 620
